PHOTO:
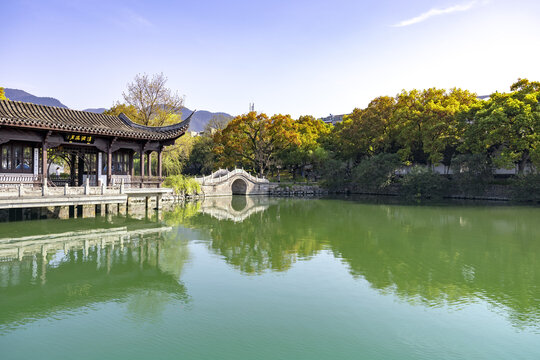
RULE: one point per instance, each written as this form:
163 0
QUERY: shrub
182 185
335 175
376 172
422 182
526 187
471 173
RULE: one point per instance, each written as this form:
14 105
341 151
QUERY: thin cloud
137 19
436 12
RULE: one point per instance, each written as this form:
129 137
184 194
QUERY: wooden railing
140 182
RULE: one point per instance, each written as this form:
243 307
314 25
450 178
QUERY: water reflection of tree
181 215
448 255
429 255
260 242
169 255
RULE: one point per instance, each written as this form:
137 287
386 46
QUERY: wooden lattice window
16 158
121 164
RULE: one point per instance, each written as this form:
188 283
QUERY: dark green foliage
376 173
202 158
422 182
335 175
526 187
471 173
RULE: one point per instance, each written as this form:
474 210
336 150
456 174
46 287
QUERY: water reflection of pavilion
70 270
18 248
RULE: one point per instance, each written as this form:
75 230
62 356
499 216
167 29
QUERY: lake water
266 278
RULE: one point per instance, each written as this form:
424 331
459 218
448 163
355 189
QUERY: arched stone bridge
233 182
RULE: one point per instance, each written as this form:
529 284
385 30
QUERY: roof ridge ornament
172 127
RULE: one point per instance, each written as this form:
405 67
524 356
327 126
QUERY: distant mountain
96 110
200 118
20 95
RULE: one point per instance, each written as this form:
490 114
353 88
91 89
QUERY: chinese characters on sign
77 138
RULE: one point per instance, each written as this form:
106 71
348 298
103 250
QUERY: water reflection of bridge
235 208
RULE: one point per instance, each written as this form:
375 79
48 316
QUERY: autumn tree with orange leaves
254 141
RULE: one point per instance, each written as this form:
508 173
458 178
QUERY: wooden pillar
149 164
159 163
44 162
109 167
131 167
73 170
142 163
80 170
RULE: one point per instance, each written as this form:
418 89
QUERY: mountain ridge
21 95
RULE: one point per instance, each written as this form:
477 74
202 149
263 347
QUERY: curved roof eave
169 128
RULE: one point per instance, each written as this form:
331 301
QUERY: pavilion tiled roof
27 115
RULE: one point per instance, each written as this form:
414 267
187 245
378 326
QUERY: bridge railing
225 174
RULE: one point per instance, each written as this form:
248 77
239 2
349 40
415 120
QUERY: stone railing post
87 187
65 189
44 189
122 186
20 190
102 188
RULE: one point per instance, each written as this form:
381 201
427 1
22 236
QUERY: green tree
471 173
422 182
377 172
175 157
428 123
202 158
368 131
307 151
506 126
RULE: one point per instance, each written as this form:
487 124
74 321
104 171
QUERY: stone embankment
491 192
296 190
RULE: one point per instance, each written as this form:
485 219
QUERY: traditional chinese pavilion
36 140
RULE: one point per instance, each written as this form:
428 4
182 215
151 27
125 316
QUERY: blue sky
293 57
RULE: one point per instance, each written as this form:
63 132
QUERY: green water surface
264 278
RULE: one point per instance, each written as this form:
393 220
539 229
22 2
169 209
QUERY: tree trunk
523 163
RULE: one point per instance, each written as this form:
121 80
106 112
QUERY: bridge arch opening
239 187
239 203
